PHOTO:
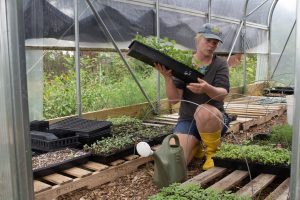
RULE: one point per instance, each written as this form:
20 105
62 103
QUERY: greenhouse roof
51 22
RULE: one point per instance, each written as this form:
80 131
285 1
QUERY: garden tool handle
166 141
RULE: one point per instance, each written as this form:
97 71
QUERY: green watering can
169 162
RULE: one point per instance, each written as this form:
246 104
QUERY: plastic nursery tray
90 140
255 168
280 90
66 164
150 56
43 145
39 125
84 127
108 158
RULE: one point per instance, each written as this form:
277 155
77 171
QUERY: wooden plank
57 179
173 116
281 192
159 122
94 166
40 186
256 185
98 178
77 172
166 119
151 124
234 127
230 181
207 176
131 157
117 162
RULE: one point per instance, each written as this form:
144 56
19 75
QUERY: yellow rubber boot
212 142
198 152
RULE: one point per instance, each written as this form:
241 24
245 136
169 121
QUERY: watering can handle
166 141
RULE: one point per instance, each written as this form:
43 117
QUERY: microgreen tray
255 168
150 56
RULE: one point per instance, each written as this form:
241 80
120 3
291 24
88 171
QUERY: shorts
189 127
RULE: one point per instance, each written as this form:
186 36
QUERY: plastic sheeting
179 20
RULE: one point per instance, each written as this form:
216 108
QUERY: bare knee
208 118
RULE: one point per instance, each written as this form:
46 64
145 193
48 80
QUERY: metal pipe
256 8
244 49
101 22
269 20
286 42
16 181
77 60
158 74
209 11
295 158
235 39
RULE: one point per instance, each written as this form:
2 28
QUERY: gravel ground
139 185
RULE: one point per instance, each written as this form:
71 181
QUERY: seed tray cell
150 56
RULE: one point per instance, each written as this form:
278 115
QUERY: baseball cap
211 31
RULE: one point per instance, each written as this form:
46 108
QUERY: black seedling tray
62 133
108 158
83 127
39 125
42 145
43 135
90 140
280 90
150 56
66 164
255 168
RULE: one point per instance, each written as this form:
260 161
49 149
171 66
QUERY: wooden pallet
248 112
223 179
88 175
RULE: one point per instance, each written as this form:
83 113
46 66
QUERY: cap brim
212 36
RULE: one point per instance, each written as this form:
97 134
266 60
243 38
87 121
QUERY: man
203 121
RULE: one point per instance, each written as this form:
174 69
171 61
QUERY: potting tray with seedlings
88 131
127 132
127 125
51 162
194 191
261 159
150 50
52 141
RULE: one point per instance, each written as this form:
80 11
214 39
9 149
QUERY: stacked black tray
45 141
88 131
150 56
280 90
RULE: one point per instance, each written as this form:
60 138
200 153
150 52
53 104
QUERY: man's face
207 46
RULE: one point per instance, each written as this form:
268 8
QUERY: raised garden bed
150 56
261 159
49 163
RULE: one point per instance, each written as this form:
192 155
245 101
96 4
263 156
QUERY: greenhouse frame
266 28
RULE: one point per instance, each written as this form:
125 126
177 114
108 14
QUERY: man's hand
162 69
198 88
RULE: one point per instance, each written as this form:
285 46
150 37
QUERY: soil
139 184
44 160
